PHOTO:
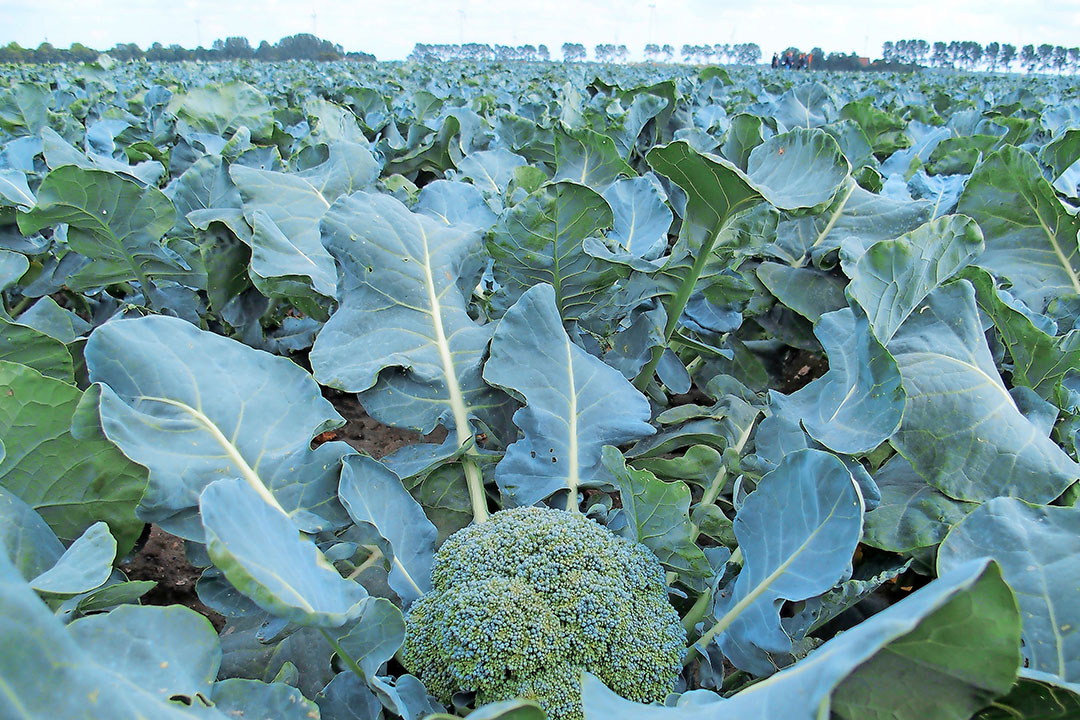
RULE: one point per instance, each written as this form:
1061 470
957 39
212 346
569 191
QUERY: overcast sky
389 28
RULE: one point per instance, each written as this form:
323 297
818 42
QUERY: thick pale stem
717 484
345 657
677 303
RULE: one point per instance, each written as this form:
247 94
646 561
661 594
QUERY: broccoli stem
677 303
345 657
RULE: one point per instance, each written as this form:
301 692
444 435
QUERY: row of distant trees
303 46
424 52
970 55
966 55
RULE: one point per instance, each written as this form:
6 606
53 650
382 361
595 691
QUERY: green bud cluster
523 603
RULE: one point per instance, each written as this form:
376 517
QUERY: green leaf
72 481
240 697
541 240
193 407
568 397
807 291
893 276
14 192
657 516
854 221
944 652
858 403
588 158
284 211
912 513
374 495
797 531
404 307
243 530
224 109
798 169
375 637
13 266
506 710
25 537
1042 699
24 108
114 222
84 566
1037 547
25 345
962 430
60 323
1031 237
1039 361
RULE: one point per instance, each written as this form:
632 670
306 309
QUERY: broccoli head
524 602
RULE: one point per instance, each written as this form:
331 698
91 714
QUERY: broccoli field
726 393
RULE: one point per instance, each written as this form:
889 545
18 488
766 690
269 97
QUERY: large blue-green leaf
893 276
858 403
568 397
797 531
801 168
25 537
284 211
716 190
806 290
224 109
374 495
263 555
541 240
855 220
588 158
131 664
944 652
71 480
60 323
1030 234
1038 548
240 697
113 221
912 513
456 203
402 336
962 431
641 217
194 407
491 170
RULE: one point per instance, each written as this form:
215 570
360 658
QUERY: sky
390 28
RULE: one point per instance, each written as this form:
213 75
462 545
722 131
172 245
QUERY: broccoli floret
524 602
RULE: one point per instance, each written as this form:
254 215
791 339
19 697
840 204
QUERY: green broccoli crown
524 602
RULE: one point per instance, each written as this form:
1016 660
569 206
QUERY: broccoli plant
523 603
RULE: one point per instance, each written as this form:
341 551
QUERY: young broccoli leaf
568 394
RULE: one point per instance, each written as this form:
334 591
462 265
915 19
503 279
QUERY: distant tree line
970 55
423 52
303 46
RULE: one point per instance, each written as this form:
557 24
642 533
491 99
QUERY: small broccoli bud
521 604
